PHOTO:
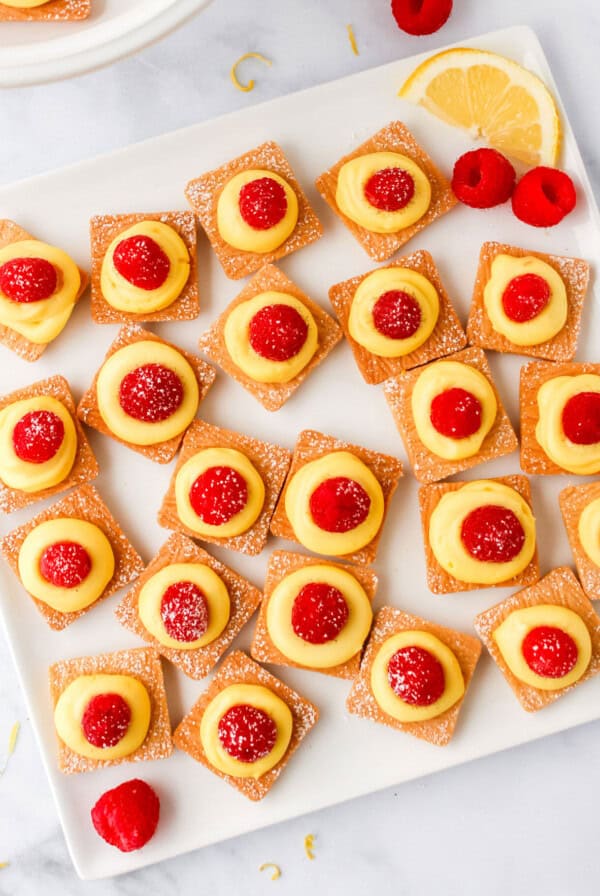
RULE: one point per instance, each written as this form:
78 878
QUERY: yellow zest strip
12 743
276 870
4 865
234 78
352 40
309 845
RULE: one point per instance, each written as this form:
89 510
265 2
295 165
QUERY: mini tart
580 508
115 299
215 194
100 535
89 409
287 574
261 465
416 389
544 391
376 473
447 335
512 492
48 11
554 593
53 394
372 697
542 337
273 392
27 328
142 671
394 138
239 670
241 603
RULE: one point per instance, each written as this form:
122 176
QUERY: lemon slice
491 97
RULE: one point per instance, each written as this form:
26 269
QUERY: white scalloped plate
37 52
344 756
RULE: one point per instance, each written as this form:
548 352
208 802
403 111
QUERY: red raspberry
416 676
218 494
247 733
421 16
390 189
127 815
492 534
65 564
396 314
105 720
26 280
483 178
456 413
184 612
543 197
319 612
549 651
277 332
38 436
262 203
142 262
339 504
151 393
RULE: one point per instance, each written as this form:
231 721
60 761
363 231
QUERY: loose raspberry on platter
420 17
127 816
543 197
483 178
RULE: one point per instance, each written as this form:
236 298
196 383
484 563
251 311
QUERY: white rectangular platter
344 757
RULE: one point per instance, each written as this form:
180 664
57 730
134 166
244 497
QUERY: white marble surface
523 821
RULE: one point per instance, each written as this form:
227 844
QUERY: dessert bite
188 605
144 267
414 675
109 709
43 448
253 210
336 497
560 418
270 337
580 509
397 317
386 191
315 614
246 726
544 639
39 287
224 488
44 10
71 556
450 415
527 303
478 534
146 404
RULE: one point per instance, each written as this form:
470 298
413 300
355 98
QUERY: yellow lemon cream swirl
237 339
553 395
360 319
245 695
352 202
445 532
35 477
395 706
41 321
125 296
235 231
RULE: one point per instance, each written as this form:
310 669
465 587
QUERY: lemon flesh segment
491 97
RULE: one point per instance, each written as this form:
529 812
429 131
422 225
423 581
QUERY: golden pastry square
448 335
13 233
575 273
142 663
83 504
438 580
203 194
391 621
271 395
238 668
244 597
85 465
53 11
573 501
310 446
281 564
105 228
88 411
427 466
394 137
533 376
561 588
271 461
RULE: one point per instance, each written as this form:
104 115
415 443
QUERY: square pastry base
559 587
572 502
